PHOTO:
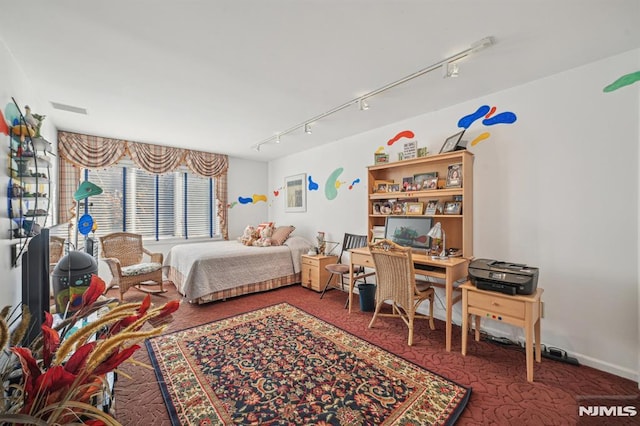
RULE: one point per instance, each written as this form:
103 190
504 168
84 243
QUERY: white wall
14 84
558 189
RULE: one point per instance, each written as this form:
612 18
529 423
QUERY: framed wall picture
452 142
295 193
414 208
454 176
452 207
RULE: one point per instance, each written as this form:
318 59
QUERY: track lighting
447 66
450 69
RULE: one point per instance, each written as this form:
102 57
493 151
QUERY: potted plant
55 379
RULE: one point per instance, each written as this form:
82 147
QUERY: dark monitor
409 231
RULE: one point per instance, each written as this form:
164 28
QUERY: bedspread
204 268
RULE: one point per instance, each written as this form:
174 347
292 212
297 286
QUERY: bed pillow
280 235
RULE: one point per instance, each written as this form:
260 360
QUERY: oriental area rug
282 366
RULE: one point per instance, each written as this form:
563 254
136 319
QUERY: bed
209 271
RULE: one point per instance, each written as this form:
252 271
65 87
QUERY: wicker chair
123 252
396 282
56 250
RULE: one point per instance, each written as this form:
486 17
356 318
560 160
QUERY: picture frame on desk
393 187
407 184
430 183
381 185
398 208
420 179
380 158
454 176
414 209
432 206
453 207
386 208
377 208
451 143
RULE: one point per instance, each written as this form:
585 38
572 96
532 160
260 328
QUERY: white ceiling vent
69 108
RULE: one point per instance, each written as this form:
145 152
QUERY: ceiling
222 76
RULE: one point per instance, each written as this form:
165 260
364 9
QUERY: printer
504 277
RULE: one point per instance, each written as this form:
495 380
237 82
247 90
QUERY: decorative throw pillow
280 235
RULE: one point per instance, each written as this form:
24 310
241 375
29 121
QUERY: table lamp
438 233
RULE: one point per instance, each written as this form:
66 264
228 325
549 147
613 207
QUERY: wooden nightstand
520 310
314 274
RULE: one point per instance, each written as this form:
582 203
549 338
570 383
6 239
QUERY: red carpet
501 394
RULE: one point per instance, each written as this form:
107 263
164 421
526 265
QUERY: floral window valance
95 152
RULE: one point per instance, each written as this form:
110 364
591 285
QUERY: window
172 205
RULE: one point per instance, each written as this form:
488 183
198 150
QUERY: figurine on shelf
33 120
321 243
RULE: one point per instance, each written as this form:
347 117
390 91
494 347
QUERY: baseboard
584 360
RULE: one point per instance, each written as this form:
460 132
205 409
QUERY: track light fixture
448 67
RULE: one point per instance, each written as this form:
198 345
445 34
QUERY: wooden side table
520 310
314 273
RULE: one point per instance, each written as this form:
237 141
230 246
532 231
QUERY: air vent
69 108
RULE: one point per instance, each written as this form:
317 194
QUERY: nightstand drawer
311 261
497 304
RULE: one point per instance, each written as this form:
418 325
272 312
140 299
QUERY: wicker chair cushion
140 269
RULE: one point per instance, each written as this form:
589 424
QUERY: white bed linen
220 265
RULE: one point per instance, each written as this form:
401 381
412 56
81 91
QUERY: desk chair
396 282
350 241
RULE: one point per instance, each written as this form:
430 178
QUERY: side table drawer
497 304
311 261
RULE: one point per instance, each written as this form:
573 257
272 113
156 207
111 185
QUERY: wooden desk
450 270
520 310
